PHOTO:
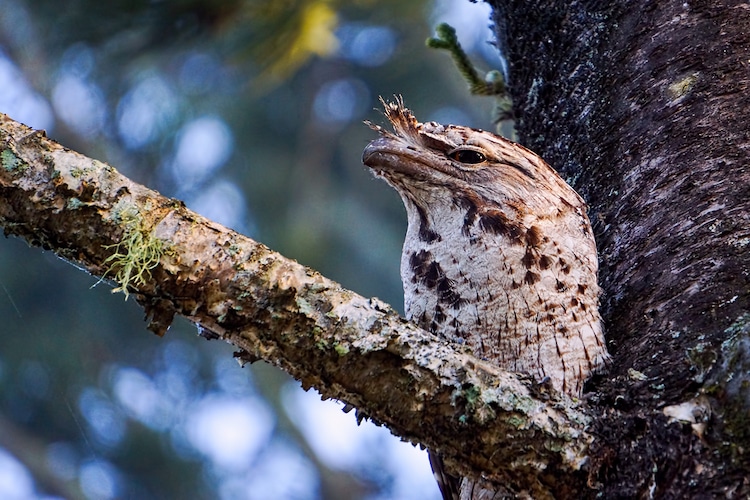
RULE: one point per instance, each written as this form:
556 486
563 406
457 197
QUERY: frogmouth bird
499 255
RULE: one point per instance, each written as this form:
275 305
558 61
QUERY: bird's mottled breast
512 292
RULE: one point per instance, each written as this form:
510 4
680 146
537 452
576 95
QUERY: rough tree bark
642 106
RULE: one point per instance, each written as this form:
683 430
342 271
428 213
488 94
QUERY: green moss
138 252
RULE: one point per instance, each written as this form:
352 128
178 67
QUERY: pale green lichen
341 349
517 421
74 203
83 171
472 395
321 344
137 254
477 408
77 172
12 162
634 374
701 358
305 307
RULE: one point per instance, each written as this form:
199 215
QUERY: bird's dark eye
469 156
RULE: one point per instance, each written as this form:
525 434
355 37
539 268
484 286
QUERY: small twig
493 84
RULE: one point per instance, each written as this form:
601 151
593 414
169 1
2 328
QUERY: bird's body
498 254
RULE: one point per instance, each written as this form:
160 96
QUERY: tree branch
348 347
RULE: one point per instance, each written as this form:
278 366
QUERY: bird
499 256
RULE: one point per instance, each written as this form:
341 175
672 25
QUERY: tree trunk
642 107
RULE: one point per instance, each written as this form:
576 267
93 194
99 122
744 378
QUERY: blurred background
251 112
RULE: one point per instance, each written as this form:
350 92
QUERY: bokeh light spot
341 101
230 431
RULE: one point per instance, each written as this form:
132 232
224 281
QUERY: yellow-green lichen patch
233 249
138 252
85 171
78 172
341 349
681 87
321 344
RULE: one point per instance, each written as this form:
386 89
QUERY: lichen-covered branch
358 350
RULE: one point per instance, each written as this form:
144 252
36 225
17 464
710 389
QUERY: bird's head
429 161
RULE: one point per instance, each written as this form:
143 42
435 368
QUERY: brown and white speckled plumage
498 254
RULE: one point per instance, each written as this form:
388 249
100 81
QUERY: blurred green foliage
250 111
